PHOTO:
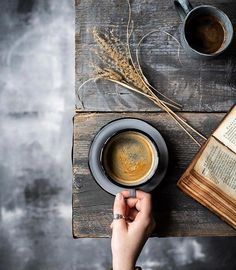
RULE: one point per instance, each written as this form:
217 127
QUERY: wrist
122 265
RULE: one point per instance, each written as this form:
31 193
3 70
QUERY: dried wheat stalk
118 66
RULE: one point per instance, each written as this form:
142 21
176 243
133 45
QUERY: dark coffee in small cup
207 30
205 33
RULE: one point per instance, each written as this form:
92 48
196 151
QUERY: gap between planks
148 112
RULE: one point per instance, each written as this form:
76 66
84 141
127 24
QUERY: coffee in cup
207 31
130 158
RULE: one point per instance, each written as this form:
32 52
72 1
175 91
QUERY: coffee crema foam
130 158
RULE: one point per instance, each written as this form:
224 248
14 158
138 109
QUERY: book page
226 132
218 165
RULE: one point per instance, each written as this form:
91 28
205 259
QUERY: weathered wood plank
197 85
176 213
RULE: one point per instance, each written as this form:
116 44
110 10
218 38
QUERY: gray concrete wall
36 110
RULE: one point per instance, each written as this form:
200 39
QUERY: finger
145 202
132 202
133 213
127 208
142 195
119 208
111 226
126 193
139 194
142 202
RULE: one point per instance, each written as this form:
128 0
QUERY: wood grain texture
176 213
198 85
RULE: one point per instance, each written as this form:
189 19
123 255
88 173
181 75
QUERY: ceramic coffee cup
207 31
130 154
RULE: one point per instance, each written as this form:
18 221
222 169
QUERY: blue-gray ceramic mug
207 31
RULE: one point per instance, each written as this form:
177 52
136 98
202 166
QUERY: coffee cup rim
231 32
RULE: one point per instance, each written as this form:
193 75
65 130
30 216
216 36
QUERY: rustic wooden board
197 85
176 213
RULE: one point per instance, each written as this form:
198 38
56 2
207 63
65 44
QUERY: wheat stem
141 76
160 103
184 122
184 129
141 71
129 33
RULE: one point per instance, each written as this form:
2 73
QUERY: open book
211 177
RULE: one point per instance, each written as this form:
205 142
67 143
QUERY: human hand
129 235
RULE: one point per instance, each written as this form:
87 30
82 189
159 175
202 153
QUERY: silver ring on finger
118 216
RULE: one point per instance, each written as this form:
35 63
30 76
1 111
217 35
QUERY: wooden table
206 89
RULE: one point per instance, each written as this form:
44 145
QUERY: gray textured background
36 110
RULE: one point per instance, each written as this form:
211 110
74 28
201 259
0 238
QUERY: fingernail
119 196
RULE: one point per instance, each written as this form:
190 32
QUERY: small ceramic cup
130 154
207 31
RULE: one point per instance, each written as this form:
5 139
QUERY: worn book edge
206 192
189 185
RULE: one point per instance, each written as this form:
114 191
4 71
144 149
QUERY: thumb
119 208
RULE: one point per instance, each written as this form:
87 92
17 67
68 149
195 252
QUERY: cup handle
183 7
132 193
